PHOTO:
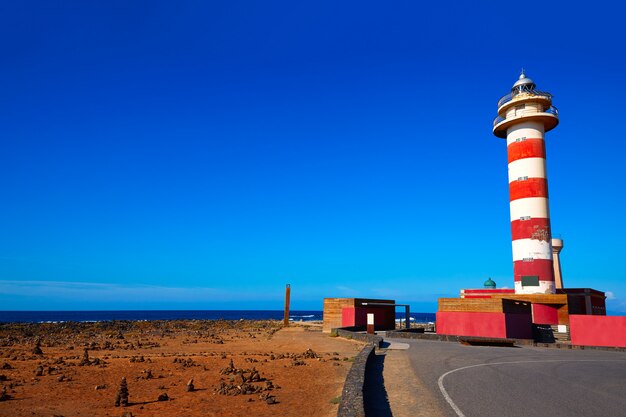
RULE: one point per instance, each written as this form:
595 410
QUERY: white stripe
527 167
531 249
545 287
458 411
527 129
523 134
534 207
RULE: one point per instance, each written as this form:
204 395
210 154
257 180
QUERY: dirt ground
294 371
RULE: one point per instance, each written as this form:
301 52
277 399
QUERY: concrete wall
355 333
497 325
598 330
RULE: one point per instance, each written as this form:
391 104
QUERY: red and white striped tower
524 115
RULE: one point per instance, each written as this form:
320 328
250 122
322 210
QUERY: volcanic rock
269 399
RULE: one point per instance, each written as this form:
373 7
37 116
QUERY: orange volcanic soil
294 371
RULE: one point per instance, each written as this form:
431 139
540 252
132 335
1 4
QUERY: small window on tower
530 281
525 218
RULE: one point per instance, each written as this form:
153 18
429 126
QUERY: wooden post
287 294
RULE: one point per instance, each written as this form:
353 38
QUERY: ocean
133 315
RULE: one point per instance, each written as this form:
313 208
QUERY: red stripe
536 228
528 148
538 267
532 187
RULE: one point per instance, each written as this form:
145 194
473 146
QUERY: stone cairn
85 360
309 354
37 349
122 394
4 395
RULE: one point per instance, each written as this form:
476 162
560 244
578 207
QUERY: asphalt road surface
479 381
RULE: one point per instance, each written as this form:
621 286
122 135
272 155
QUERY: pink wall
598 330
498 325
545 314
347 317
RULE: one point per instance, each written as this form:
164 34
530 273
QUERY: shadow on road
374 393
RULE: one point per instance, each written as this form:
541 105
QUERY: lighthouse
538 300
524 116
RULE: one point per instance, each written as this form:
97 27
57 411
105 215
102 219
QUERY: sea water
146 315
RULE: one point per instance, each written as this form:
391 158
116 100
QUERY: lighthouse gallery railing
551 110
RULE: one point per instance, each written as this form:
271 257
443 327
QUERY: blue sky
201 155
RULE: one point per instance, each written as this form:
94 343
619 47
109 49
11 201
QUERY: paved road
514 382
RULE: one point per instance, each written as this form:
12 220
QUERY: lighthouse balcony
532 98
523 94
549 117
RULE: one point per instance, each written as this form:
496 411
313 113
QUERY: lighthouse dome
490 283
524 82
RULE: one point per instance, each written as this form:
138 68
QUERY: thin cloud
345 290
